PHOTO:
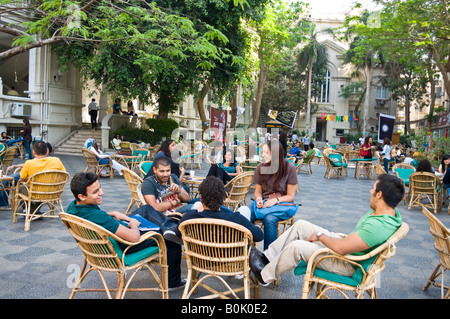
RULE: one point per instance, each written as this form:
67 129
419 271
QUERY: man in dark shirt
212 195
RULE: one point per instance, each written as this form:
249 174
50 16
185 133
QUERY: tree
314 54
280 31
133 48
361 54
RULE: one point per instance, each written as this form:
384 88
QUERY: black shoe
171 236
257 263
181 284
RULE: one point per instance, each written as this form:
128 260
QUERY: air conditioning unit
184 123
19 109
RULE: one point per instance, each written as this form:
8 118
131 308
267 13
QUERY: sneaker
180 285
171 236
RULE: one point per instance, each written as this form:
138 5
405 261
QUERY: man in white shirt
93 111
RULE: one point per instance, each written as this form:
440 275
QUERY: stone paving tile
41 263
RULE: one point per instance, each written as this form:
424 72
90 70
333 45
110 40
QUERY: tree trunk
200 104
308 102
357 106
407 130
259 93
233 105
432 90
367 101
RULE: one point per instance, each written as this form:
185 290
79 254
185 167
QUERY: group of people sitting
275 181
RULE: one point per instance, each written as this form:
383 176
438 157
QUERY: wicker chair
248 166
331 170
217 248
403 171
367 267
441 236
428 186
102 253
144 167
379 169
45 187
7 157
92 163
133 180
239 187
304 164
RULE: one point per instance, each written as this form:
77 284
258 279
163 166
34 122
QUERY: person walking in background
27 138
93 112
306 142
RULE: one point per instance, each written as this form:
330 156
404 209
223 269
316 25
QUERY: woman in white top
386 153
91 144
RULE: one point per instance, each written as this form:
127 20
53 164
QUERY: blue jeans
27 145
270 227
386 164
3 194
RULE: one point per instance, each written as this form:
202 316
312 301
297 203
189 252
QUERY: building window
382 93
324 93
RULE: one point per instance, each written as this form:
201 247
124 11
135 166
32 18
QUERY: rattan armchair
45 187
441 236
331 170
144 168
379 169
102 252
7 157
238 189
217 249
92 163
423 185
403 171
133 180
364 280
304 164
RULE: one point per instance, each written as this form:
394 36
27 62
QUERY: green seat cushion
146 166
404 174
336 160
133 258
353 281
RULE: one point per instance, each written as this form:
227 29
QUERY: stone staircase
73 144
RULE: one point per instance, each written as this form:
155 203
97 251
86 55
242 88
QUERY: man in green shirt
301 240
88 196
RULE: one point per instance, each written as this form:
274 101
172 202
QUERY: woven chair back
441 236
240 186
216 246
47 185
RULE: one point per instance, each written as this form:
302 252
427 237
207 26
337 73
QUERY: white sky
335 7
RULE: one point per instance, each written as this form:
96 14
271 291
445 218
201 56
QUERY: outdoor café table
9 187
193 183
127 161
360 163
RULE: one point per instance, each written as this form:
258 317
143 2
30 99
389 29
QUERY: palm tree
314 53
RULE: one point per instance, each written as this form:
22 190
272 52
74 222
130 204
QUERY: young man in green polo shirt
301 240
89 195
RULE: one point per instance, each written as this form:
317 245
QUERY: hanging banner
336 118
287 118
218 124
385 127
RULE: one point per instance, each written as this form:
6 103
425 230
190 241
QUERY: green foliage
142 135
162 127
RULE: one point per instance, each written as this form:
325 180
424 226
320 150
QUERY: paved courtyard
42 263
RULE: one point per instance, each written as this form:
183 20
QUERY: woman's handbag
362 152
282 210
